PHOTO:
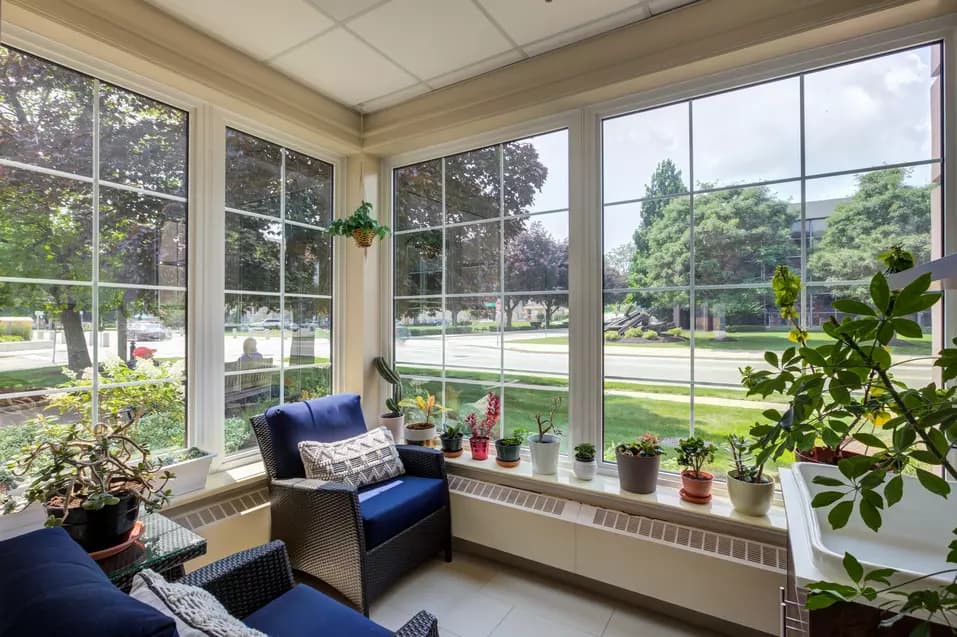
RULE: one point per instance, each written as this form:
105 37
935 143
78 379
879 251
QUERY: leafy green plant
453 430
650 335
694 453
182 455
359 223
612 335
391 376
647 444
633 332
675 331
516 438
846 390
585 452
745 467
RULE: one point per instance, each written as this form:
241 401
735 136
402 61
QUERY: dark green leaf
827 482
771 358
922 455
870 514
870 440
850 306
855 466
853 568
813 357
817 601
918 304
907 328
880 575
885 333
933 483
825 498
894 490
873 497
880 293
840 514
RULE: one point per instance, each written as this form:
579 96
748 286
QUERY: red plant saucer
694 499
135 533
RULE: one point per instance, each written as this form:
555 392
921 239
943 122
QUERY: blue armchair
359 541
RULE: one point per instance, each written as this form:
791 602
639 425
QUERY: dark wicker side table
164 547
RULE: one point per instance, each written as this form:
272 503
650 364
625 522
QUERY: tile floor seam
608 621
492 632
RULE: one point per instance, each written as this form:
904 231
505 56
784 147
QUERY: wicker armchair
325 525
249 580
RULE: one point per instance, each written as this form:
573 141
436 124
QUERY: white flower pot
544 454
395 425
585 470
419 436
190 474
750 498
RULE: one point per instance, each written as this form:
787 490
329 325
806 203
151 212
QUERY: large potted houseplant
693 454
451 437
545 445
360 225
750 489
508 449
393 418
480 430
585 465
422 431
92 480
638 463
189 468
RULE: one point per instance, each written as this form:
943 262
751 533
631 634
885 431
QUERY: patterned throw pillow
196 612
364 459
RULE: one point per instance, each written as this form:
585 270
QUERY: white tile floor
476 598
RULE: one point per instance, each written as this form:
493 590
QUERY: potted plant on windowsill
451 438
508 449
91 479
585 464
545 445
639 463
393 419
750 490
360 225
480 430
694 453
189 469
418 433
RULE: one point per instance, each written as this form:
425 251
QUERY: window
93 249
703 198
481 278
278 301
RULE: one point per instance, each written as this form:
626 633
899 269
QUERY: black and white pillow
364 459
196 612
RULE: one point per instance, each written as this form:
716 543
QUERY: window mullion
95 292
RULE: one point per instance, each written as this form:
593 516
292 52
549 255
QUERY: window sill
221 482
604 491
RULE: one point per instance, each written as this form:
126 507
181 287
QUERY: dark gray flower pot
638 474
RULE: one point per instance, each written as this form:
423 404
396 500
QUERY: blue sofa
49 586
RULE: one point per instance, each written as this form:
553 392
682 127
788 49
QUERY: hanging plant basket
360 225
364 237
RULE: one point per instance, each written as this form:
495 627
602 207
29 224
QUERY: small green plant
612 335
182 455
585 452
360 225
546 422
747 469
633 332
651 335
676 331
516 438
694 453
647 444
391 376
453 430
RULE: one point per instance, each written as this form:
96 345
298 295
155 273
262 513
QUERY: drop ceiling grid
371 54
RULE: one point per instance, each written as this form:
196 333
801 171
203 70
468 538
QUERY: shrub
238 434
633 332
651 335
16 326
676 331
162 430
612 335
10 338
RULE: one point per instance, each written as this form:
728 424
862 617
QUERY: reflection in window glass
54 332
484 293
278 279
681 320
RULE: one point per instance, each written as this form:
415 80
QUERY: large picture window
93 247
703 198
278 301
481 279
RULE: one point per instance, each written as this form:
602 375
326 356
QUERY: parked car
272 324
148 330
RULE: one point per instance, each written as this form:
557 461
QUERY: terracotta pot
697 488
823 455
750 498
479 447
638 474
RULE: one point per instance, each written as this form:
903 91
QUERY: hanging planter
361 226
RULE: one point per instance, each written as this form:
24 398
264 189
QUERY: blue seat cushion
305 612
324 419
49 586
390 507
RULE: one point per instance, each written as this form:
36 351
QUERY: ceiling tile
638 12
431 37
343 67
261 29
393 98
660 6
344 9
473 70
530 20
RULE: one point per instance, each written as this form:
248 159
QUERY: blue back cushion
323 419
49 586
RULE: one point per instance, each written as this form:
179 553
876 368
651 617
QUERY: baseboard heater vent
210 512
507 495
752 553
